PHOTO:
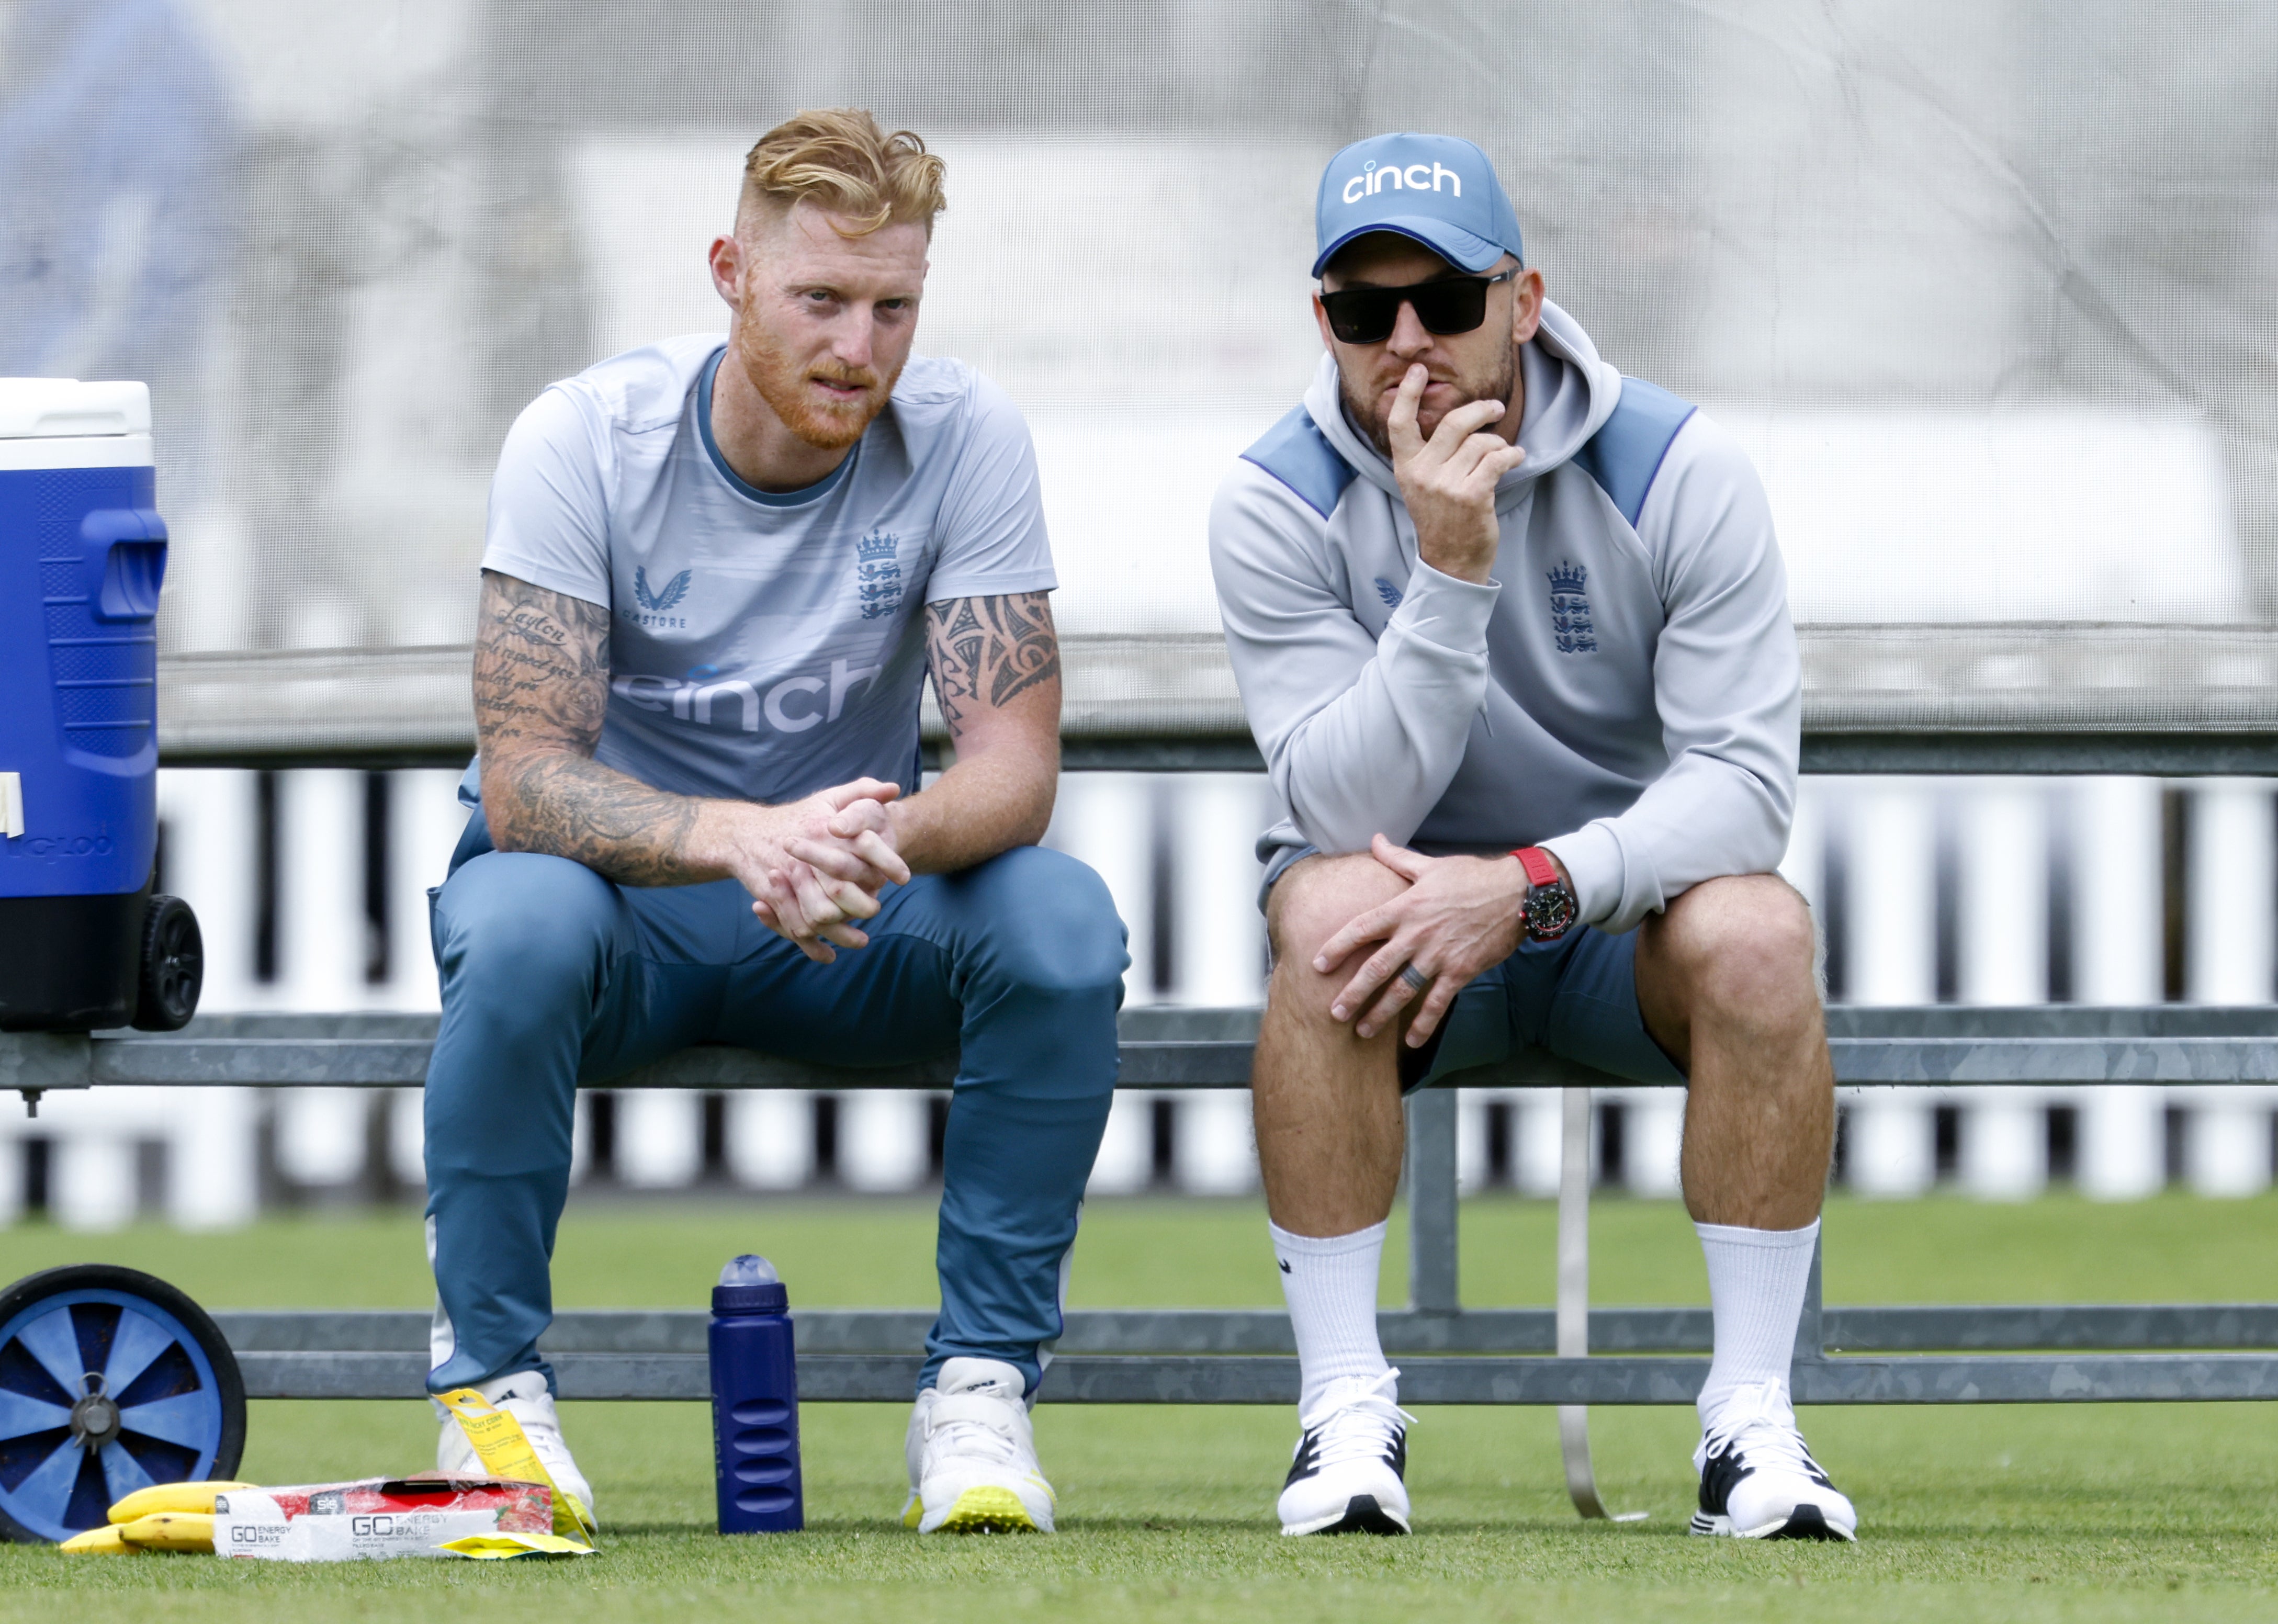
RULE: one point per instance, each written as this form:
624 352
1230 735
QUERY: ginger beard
1372 413
785 385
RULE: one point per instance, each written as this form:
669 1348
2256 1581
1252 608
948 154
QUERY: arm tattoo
541 668
541 692
985 651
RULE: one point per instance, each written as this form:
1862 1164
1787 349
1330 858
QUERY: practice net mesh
1988 290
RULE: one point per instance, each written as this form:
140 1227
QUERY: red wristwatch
1549 908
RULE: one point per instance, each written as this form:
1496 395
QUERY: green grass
2058 1513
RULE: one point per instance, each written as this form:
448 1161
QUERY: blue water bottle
754 1401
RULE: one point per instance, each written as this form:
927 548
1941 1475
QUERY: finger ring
1414 977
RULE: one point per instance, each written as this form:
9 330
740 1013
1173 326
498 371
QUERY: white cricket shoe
1757 1480
524 1396
973 1455
1347 1474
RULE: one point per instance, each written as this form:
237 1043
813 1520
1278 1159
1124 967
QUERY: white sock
1330 1286
1756 1282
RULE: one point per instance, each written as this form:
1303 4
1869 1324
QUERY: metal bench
1168 703
1447 1354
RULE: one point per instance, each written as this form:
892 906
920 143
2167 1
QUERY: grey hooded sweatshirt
1624 691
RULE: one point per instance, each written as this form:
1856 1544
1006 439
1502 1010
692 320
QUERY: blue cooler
83 943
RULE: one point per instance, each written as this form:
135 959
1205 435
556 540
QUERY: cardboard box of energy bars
379 1518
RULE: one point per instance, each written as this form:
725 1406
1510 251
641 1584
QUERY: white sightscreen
1987 289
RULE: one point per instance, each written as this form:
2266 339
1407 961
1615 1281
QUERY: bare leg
1724 980
1326 1104
1329 1136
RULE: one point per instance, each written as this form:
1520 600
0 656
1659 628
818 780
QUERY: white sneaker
1347 1475
524 1396
1757 1480
973 1455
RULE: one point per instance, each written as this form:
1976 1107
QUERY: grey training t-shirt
764 645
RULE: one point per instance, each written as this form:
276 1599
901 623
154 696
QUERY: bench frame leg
1574 1300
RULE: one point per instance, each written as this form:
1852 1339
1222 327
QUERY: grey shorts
1575 997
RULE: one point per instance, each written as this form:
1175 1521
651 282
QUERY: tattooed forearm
541 667
541 692
985 652
571 806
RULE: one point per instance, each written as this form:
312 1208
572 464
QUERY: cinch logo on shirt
790 706
1415 178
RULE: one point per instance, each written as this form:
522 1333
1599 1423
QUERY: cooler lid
58 408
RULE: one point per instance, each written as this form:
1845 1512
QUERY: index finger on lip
1401 422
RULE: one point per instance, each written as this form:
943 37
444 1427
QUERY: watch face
1549 911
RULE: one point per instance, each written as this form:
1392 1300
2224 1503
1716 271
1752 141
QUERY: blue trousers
553 976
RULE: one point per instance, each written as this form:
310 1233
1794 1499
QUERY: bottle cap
749 1270
749 1284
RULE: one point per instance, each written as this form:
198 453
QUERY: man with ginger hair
716 578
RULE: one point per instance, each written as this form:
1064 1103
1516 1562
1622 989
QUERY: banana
100 1542
171 1531
172 1497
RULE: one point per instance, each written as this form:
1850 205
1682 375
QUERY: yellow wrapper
504 1547
504 1452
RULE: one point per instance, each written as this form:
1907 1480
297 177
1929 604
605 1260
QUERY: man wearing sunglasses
1512 633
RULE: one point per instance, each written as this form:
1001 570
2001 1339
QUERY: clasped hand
1459 916
813 867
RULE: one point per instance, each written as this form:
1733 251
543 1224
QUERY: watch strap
1540 869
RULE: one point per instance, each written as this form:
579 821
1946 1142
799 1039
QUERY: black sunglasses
1451 305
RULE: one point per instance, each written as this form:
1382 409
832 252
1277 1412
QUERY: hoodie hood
1570 394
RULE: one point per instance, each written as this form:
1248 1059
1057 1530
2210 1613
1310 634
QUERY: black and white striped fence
311 888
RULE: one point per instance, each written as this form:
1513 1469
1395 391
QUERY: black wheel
111 1380
173 966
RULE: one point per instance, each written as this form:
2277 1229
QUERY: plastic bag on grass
378 1518
515 1512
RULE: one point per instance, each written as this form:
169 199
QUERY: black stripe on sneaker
1308 1461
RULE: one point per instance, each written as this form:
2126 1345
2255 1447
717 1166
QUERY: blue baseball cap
1439 190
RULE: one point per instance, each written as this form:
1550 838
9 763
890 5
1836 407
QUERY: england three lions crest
1570 610
879 574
